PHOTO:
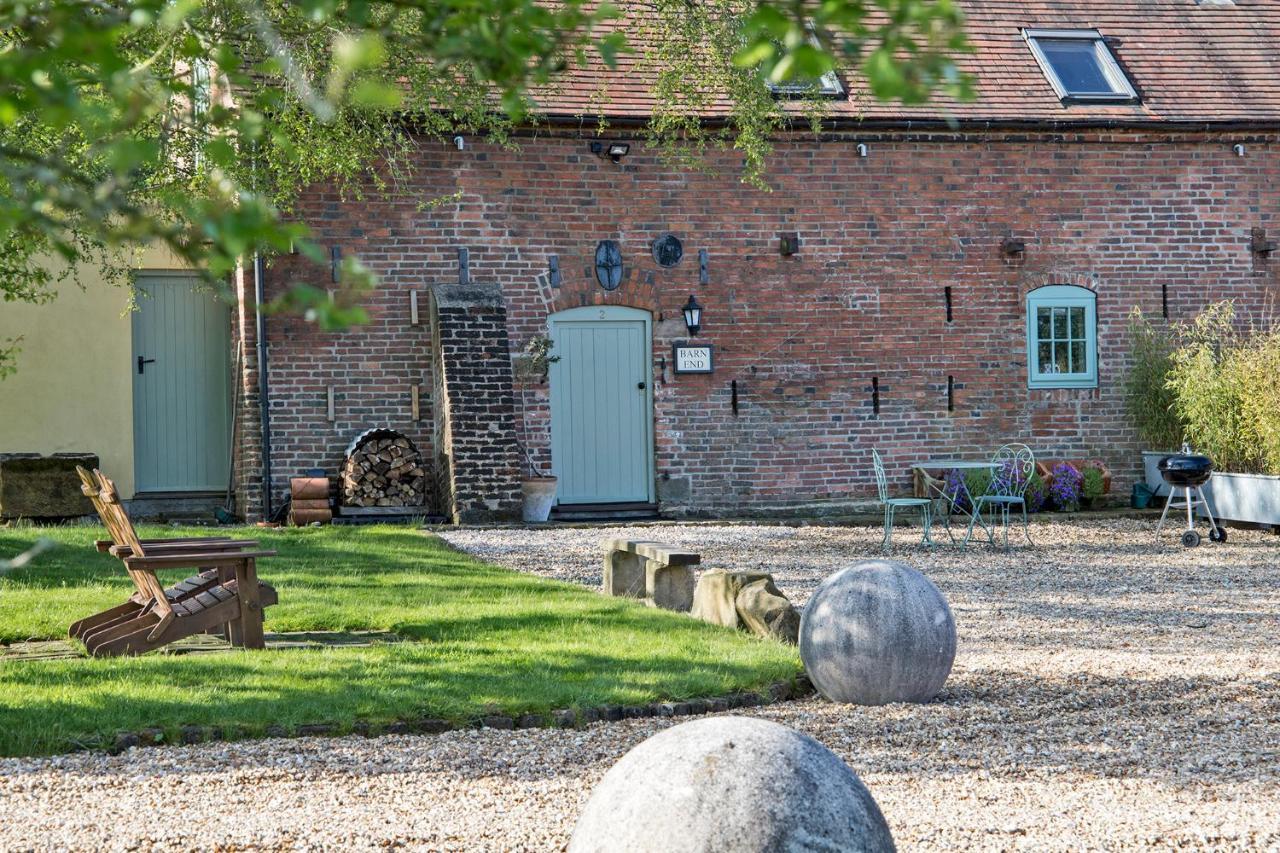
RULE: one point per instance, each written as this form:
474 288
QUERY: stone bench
661 575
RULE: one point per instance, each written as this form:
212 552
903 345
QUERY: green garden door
602 406
181 386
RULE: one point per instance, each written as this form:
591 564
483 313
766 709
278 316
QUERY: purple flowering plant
953 486
1065 491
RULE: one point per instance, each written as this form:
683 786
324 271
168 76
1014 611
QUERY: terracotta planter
539 495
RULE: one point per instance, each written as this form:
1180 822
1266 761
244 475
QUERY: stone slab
671 555
669 587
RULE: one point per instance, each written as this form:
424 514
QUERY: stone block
36 486
531 721
747 600
716 594
674 491
431 726
624 574
669 587
765 611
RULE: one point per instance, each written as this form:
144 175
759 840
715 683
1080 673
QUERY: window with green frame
1062 337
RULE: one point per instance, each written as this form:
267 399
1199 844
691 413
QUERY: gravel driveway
1108 693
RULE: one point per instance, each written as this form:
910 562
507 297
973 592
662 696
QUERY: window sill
1063 386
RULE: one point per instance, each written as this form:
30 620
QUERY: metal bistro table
929 486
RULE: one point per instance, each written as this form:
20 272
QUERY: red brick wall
881 236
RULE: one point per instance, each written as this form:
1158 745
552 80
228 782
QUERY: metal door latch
142 363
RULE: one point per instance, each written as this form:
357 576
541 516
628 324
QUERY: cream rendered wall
73 389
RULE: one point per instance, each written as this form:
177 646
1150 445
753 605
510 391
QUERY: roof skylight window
825 86
1080 66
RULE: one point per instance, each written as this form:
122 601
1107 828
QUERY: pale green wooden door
602 406
181 386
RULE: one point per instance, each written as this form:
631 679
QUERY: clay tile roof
1190 63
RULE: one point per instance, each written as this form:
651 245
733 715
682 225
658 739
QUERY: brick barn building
927 281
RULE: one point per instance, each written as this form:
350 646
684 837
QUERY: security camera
1238 148
459 143
862 149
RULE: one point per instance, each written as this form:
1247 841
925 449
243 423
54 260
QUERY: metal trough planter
1253 498
1151 470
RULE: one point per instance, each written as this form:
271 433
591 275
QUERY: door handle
640 386
142 363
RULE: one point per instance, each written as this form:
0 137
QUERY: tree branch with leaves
197 125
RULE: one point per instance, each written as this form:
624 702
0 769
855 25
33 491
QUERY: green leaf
373 93
754 54
220 152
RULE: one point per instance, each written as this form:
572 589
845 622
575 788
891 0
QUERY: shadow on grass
60 705
489 640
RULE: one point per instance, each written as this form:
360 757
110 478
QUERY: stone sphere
730 783
878 632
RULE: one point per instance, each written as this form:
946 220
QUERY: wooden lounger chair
92 485
227 593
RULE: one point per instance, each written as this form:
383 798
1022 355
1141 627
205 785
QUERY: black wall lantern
692 315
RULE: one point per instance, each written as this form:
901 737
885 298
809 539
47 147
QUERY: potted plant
537 486
539 492
1225 380
1064 487
1091 488
1148 396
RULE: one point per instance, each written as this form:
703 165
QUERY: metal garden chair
891 504
1012 467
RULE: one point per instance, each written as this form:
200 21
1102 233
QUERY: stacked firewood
384 472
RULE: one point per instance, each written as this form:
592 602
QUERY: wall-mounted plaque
667 250
609 264
693 358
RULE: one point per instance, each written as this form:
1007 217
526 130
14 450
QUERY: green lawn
484 640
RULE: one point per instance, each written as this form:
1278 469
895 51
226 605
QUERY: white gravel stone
1108 693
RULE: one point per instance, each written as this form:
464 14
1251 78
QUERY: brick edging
565 718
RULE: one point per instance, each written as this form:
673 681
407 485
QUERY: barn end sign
692 358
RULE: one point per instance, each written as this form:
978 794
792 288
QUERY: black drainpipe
264 387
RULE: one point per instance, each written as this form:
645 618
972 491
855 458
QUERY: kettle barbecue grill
1187 472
